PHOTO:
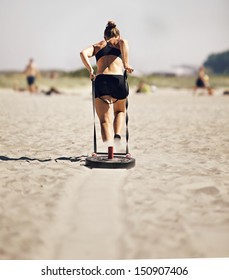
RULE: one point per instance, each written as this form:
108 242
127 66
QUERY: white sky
161 33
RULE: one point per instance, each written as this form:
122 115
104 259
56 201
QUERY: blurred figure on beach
202 81
111 87
144 88
31 73
52 90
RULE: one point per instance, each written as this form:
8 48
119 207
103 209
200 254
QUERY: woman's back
108 56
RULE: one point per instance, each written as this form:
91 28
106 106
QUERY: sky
162 34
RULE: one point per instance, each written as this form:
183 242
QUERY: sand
173 204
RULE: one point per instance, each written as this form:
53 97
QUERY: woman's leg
104 114
119 115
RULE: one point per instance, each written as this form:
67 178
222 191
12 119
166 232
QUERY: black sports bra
108 50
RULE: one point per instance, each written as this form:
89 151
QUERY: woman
202 81
112 58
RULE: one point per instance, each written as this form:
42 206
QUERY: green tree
218 63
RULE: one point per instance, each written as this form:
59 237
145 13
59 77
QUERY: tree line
218 63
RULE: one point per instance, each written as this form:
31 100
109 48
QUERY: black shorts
115 86
200 83
30 80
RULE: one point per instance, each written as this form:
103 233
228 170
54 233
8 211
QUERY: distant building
178 70
185 70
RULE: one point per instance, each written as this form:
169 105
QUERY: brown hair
111 30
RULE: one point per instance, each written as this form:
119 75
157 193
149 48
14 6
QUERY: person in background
143 88
112 59
202 81
31 73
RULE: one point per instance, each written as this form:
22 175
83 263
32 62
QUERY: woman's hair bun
111 30
111 24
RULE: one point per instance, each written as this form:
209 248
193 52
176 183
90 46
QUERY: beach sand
173 204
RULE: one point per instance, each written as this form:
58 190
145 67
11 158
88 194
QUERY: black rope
127 130
93 102
127 117
28 159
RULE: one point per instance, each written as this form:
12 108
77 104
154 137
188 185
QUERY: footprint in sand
207 190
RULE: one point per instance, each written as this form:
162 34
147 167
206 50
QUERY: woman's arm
124 48
85 55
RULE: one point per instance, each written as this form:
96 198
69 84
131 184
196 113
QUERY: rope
93 102
127 117
127 130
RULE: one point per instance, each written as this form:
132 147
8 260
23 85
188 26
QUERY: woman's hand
92 75
129 69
